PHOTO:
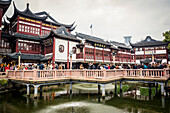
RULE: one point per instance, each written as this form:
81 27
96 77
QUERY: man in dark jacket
98 67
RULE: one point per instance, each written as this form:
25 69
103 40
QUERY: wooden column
134 55
154 53
53 60
103 55
167 54
68 55
94 54
144 52
17 46
84 52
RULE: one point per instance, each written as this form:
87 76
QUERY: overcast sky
111 19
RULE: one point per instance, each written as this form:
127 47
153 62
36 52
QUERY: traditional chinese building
4 4
125 54
148 49
94 49
33 35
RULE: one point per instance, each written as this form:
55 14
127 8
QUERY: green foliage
124 88
167 38
3 82
145 91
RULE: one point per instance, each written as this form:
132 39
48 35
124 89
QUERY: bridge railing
87 74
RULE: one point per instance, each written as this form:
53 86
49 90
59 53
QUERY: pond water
84 99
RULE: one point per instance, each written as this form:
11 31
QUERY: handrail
87 74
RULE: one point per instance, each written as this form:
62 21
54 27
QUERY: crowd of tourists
99 66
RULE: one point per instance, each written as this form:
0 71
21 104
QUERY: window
74 50
61 48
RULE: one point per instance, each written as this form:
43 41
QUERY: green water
81 101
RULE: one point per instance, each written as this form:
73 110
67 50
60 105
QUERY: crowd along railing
87 74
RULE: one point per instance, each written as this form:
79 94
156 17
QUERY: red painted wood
17 46
103 55
166 54
53 60
68 55
84 52
144 52
135 54
94 54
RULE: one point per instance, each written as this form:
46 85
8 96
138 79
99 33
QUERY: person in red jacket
7 67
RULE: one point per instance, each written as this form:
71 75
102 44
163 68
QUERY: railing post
140 71
55 73
164 73
14 73
22 74
34 74
85 70
104 73
6 73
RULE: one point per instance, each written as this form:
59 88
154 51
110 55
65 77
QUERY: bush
3 82
145 91
124 88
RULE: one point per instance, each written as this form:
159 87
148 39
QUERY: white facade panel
58 55
160 51
71 45
139 53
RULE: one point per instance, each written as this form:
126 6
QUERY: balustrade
87 74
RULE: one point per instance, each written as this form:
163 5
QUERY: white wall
71 45
62 57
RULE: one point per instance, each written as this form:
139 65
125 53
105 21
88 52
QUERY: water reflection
81 101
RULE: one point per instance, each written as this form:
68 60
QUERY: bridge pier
98 89
103 90
35 90
120 87
41 91
115 88
70 87
28 89
156 88
150 92
162 88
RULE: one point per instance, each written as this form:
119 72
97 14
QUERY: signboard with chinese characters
99 45
48 42
149 52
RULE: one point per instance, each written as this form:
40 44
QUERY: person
164 65
145 67
93 66
56 66
7 67
90 66
134 66
112 66
81 66
60 67
109 66
98 67
41 66
141 66
128 67
160 66
106 66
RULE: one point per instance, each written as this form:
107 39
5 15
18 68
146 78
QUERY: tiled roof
120 45
25 36
26 56
92 38
148 42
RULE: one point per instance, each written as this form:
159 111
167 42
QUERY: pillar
120 86
156 88
163 101
115 87
103 90
28 89
40 91
166 88
98 89
150 92
36 90
70 87
162 88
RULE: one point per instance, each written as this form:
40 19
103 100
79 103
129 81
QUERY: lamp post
71 53
19 58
